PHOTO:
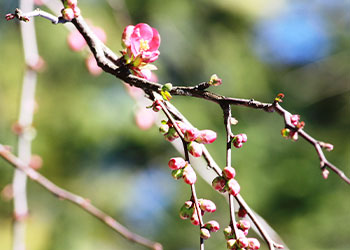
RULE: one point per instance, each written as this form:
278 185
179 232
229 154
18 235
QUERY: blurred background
91 145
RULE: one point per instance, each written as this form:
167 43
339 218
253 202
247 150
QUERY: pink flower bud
76 11
237 144
325 173
188 204
238 138
204 233
207 205
242 212
195 149
9 16
72 3
176 163
156 106
215 80
219 183
294 119
243 224
253 244
212 226
189 175
242 242
191 134
240 233
182 126
229 172
233 187
68 14
206 136
244 138
328 146
195 219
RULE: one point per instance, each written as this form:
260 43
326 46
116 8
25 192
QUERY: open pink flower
141 41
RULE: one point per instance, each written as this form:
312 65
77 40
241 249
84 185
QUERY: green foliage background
91 145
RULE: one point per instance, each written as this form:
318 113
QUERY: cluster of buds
140 43
293 134
195 137
226 182
182 169
70 10
188 210
168 130
240 241
239 139
192 136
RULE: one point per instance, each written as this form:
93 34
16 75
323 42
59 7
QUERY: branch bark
83 203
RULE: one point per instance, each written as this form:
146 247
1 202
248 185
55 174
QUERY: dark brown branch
77 200
317 144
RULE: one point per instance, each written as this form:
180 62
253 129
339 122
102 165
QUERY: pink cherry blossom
142 41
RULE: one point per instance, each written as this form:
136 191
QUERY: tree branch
83 203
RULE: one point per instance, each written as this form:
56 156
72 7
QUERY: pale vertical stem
24 121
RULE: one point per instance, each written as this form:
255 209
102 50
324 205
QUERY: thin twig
227 116
26 113
83 203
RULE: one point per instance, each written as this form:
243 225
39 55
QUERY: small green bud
167 87
177 174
